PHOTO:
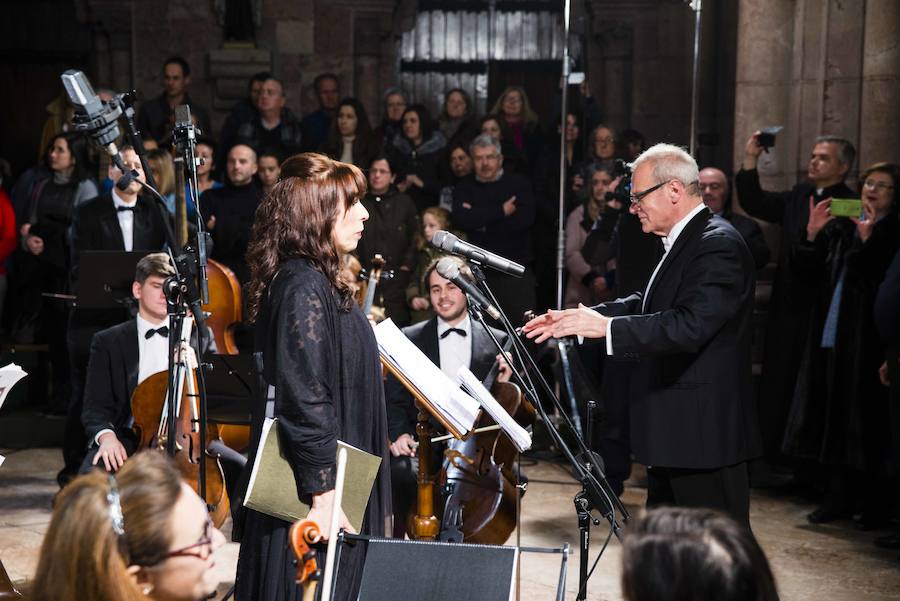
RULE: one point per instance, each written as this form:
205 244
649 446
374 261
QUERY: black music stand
230 388
105 278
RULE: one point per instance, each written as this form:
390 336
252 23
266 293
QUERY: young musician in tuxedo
121 358
118 220
450 339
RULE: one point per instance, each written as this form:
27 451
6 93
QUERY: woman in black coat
416 153
839 415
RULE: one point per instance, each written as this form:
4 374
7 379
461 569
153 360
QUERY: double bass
151 426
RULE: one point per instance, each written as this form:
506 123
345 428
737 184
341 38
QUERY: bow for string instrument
151 425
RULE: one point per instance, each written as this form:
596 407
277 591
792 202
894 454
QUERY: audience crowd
828 399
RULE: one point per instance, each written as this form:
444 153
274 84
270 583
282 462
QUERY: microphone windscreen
444 240
447 267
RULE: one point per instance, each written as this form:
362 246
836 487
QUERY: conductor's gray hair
484 141
672 162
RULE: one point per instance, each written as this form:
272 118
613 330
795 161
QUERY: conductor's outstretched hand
582 321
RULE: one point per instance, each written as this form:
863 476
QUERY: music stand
105 278
230 388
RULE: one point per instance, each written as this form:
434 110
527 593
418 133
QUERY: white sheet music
517 434
9 375
457 407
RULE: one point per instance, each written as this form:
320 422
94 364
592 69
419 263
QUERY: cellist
450 340
122 357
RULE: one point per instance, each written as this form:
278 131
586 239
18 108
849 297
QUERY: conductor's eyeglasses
636 198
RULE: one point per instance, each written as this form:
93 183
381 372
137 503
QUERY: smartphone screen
846 207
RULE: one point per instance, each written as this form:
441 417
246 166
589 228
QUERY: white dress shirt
153 354
668 243
455 350
126 220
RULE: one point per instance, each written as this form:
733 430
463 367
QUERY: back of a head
82 556
681 554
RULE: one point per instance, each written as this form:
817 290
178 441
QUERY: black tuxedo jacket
112 377
692 397
401 407
95 226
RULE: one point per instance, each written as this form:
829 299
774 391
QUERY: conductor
693 419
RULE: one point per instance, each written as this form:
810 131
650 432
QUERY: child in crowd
433 219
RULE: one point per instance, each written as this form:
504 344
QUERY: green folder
273 490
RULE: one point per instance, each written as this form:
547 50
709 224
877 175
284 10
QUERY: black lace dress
324 364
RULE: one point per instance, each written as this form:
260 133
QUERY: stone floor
810 562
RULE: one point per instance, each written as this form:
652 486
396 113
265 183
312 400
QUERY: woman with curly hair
319 354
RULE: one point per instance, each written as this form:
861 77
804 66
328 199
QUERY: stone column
879 118
763 83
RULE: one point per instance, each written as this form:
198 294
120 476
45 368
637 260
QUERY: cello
479 475
302 536
151 426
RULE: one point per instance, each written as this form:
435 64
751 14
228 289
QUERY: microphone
449 269
450 243
97 118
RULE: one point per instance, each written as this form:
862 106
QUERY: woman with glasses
839 415
141 534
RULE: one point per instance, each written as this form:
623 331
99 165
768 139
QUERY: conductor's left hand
582 321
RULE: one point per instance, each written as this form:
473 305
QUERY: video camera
623 192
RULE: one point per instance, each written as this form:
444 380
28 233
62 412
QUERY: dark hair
631 136
381 156
296 220
322 77
78 148
504 131
677 553
464 269
364 142
426 125
178 60
846 151
269 153
261 77
154 264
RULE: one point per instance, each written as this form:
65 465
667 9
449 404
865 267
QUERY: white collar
669 241
118 201
143 325
465 325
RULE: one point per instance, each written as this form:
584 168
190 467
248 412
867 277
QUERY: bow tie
449 331
120 209
163 331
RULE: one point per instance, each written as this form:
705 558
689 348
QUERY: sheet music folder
434 390
105 278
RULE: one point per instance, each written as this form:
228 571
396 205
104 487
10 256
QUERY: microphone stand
596 492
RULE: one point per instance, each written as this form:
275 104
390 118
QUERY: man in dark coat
391 232
449 339
156 118
717 197
119 220
274 129
693 418
496 210
121 358
789 311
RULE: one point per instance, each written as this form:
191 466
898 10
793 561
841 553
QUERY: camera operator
789 307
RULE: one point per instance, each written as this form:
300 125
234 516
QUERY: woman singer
319 352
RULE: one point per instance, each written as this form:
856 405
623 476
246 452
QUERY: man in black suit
118 220
693 418
791 301
121 358
450 339
716 194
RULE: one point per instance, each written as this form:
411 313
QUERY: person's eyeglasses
202 549
871 184
606 140
637 198
712 186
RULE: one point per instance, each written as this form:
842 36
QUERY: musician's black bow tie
163 331
449 331
120 209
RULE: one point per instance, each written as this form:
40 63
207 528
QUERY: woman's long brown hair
82 557
296 220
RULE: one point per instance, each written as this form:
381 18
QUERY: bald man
229 211
716 192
